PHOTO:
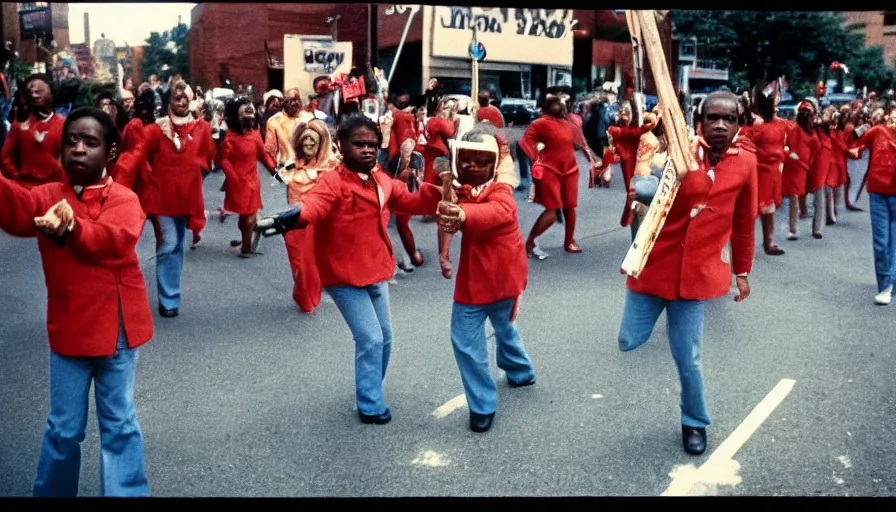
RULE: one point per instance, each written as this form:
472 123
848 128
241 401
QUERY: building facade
243 42
879 29
31 27
526 49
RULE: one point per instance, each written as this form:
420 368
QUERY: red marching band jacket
493 262
350 217
93 278
690 259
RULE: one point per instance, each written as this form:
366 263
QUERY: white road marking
596 396
431 459
844 459
449 406
721 468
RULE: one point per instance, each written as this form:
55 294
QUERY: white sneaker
883 298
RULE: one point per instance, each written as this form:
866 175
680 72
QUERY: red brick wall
390 28
608 54
235 33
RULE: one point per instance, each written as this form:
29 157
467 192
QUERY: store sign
308 57
321 56
524 36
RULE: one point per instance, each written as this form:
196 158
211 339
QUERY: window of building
28 6
889 18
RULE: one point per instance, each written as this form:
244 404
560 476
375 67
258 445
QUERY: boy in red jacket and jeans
491 277
97 306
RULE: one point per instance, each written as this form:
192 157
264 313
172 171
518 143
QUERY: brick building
879 28
27 23
244 41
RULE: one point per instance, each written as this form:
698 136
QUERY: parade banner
524 36
308 57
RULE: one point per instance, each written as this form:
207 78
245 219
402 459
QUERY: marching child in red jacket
97 306
241 150
691 263
491 277
349 208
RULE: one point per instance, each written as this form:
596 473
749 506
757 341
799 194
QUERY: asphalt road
242 395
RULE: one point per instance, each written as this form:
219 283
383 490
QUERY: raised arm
19 209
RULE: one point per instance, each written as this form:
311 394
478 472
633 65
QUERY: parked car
787 110
517 111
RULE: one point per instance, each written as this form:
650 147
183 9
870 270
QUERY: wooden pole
634 29
680 156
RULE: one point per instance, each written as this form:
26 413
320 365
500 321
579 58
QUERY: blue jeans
685 327
382 157
883 237
122 464
645 188
366 311
170 260
471 352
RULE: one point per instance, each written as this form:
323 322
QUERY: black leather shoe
380 419
693 439
167 313
521 384
481 422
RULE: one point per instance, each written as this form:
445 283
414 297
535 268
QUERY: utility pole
334 21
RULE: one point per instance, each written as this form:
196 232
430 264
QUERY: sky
125 22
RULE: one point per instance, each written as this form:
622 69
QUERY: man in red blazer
97 306
492 275
691 261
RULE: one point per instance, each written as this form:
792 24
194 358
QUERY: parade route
243 395
721 468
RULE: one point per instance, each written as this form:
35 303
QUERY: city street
243 395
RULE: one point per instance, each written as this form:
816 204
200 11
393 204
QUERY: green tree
167 54
763 45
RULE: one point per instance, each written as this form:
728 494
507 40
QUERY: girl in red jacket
769 135
690 261
803 148
818 173
350 209
97 307
31 150
492 274
241 150
557 187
